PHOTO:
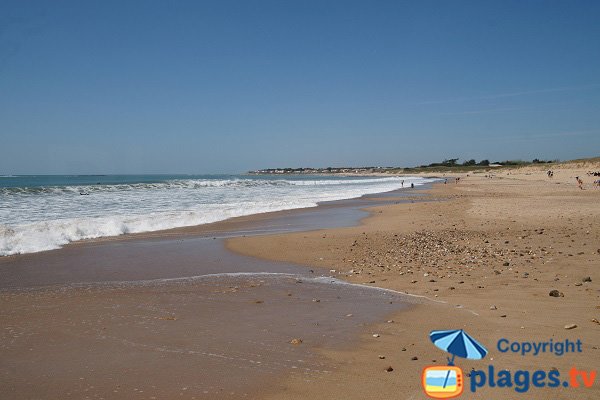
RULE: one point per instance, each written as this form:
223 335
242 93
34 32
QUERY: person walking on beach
402 183
579 182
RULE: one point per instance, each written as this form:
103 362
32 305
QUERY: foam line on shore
326 280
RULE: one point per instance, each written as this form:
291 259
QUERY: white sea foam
35 219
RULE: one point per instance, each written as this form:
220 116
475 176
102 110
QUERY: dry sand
490 250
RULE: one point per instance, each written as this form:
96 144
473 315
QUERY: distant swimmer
412 185
402 183
83 194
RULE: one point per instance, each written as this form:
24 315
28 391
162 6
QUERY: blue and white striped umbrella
458 343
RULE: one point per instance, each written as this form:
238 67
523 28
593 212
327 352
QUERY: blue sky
224 86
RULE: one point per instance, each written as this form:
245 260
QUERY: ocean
45 212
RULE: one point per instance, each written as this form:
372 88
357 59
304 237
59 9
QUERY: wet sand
175 315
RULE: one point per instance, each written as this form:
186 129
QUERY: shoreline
497 246
72 309
332 214
228 223
396 243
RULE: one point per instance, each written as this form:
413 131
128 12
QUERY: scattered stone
556 293
259 301
296 341
594 320
390 321
587 279
376 335
404 349
497 272
382 357
506 264
570 326
389 369
316 300
578 284
415 358
349 315
493 308
503 316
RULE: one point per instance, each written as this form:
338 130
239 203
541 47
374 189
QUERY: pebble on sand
570 326
389 369
296 341
556 293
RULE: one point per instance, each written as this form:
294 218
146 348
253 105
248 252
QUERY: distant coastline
449 165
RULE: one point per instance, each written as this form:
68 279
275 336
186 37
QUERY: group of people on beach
580 182
595 173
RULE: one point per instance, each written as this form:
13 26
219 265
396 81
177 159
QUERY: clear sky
227 86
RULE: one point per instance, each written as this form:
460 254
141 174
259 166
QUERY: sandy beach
490 250
168 315
174 314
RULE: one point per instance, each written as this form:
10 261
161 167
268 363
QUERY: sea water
45 212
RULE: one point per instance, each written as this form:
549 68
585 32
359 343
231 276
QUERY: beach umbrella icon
458 343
